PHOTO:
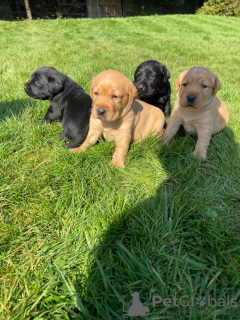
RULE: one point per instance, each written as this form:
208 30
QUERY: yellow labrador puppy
197 108
117 117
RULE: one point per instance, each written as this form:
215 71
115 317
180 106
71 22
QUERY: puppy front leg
119 156
53 114
164 105
204 137
171 130
167 111
92 137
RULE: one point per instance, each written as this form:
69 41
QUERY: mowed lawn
79 236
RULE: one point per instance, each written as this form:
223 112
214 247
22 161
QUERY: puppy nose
191 98
101 111
140 86
26 86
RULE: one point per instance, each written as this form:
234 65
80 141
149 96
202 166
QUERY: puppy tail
76 143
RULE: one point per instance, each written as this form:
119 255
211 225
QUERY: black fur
68 102
151 81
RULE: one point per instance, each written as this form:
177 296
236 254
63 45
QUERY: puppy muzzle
101 112
191 98
26 87
142 88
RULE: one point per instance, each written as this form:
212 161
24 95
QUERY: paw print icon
201 301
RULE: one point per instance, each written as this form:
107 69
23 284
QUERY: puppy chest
109 135
189 128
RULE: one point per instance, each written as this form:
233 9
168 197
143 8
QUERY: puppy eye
115 97
37 83
151 76
184 84
204 86
96 93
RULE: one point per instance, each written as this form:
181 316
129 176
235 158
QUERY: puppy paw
63 136
117 163
74 149
166 141
200 154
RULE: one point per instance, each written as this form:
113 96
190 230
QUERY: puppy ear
217 85
166 73
132 93
91 87
56 84
178 81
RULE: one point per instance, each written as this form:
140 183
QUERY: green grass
78 235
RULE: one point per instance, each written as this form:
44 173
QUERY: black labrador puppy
68 102
151 81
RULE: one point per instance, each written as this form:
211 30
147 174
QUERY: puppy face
149 78
45 83
112 94
196 87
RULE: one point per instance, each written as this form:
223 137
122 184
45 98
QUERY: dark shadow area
40 9
52 9
184 236
13 108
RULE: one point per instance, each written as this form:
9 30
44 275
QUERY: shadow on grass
12 108
180 242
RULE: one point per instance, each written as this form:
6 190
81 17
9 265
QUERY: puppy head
45 83
112 94
150 78
196 87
